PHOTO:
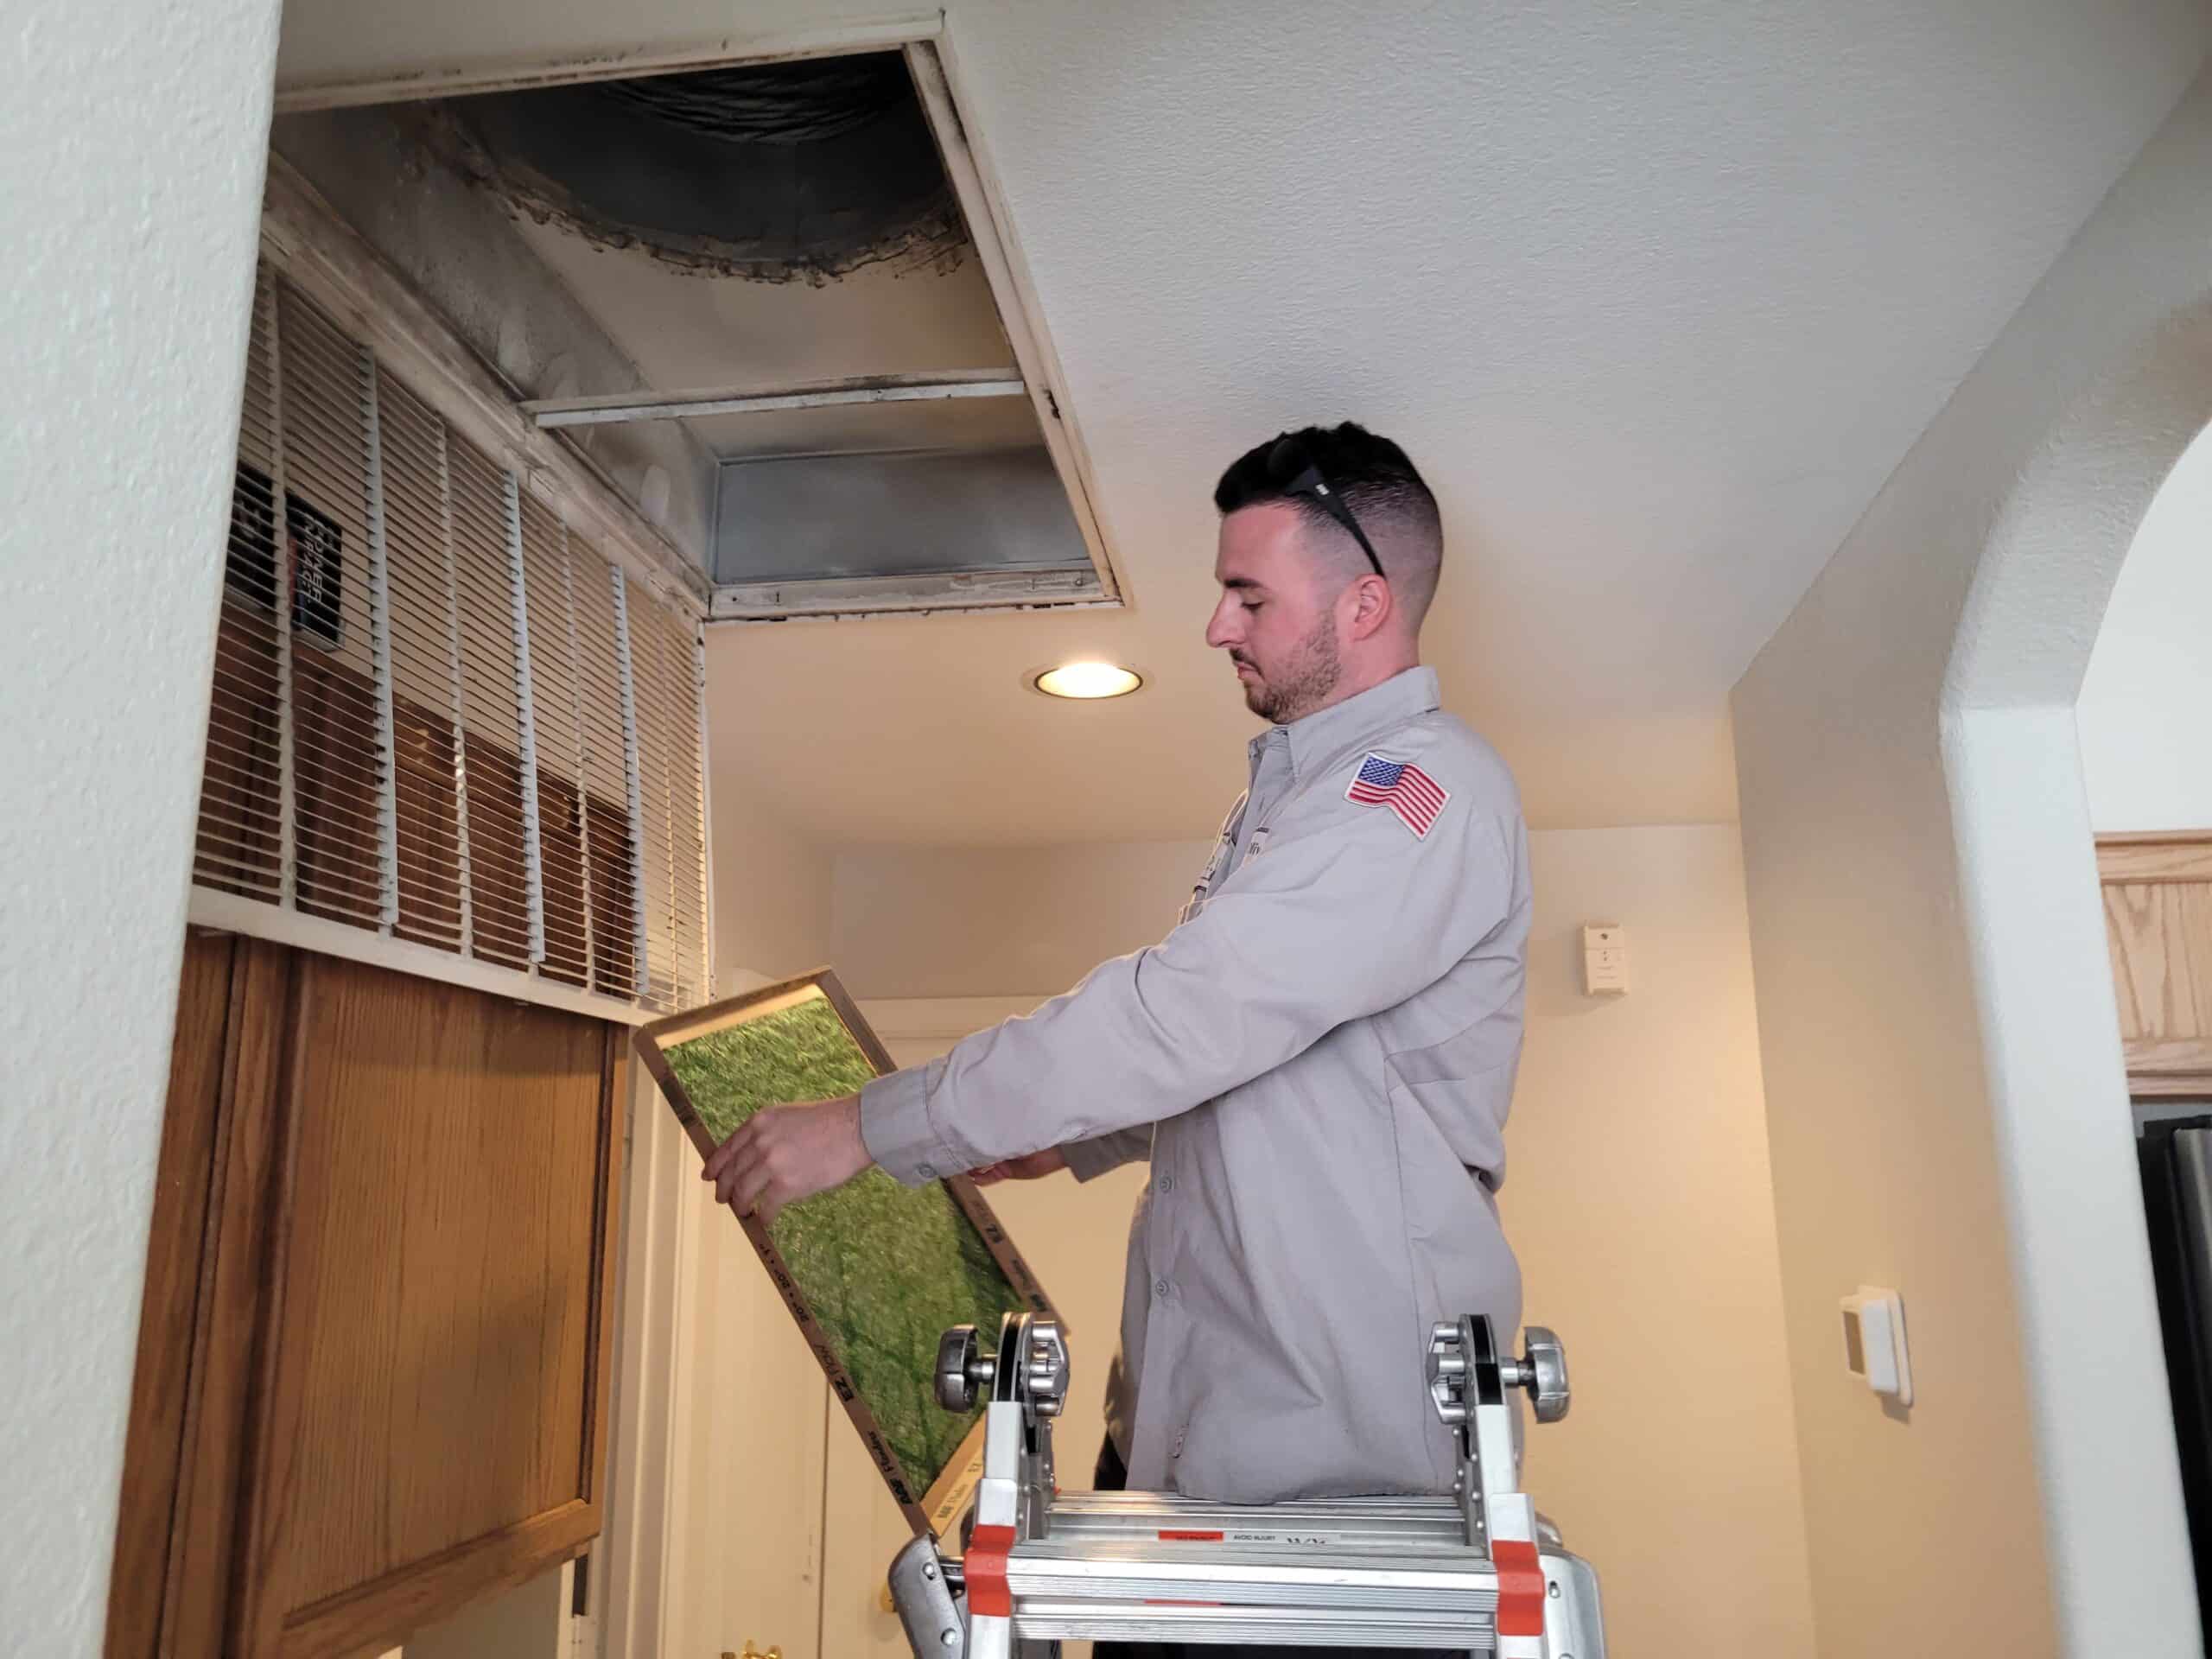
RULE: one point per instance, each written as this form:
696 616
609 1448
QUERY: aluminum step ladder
1478 1571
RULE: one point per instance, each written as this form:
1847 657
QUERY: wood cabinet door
2157 898
401 1316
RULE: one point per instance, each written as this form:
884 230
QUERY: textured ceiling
1658 295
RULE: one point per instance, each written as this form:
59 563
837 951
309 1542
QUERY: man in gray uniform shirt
1317 1060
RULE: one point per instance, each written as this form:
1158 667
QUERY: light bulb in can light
1088 682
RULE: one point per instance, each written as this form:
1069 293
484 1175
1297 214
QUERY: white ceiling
1657 295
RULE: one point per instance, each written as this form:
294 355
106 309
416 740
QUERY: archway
2057 1092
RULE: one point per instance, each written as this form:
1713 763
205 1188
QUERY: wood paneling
378 1391
2158 900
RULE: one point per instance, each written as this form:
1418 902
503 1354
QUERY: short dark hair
1372 476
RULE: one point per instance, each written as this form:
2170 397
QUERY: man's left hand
785 1153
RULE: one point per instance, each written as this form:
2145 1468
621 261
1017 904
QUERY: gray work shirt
1318 1060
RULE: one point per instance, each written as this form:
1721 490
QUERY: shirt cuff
895 1127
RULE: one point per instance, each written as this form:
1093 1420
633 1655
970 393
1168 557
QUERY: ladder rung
1090 1621
1219 1573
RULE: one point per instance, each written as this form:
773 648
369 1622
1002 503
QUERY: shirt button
1166 1184
1160 1290
927 1172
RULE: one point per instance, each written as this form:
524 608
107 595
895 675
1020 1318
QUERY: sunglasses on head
1291 470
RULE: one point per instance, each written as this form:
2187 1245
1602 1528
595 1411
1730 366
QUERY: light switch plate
1605 959
1874 1342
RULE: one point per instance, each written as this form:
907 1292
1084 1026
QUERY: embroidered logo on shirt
1408 791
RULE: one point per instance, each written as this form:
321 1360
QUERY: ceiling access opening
810 333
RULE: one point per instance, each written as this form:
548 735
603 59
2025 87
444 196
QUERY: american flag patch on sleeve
1408 791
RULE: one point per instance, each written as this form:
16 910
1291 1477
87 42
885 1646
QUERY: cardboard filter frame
937 1509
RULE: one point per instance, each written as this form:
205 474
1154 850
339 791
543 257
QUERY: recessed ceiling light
1088 681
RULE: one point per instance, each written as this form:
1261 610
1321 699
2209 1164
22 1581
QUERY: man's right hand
1035 1166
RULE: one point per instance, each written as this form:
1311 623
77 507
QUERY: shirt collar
1321 736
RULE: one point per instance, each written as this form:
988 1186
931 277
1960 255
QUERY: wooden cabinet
371 1380
2157 898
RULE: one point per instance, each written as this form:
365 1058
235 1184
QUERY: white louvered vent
475 734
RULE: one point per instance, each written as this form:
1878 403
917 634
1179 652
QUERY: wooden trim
2162 855
2184 1061
154 1464
949 1490
228 912
513 74
2196 1086
305 239
715 1016
423 1591
231 1323
258 1623
606 1221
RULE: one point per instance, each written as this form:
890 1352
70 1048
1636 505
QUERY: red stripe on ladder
985 1573
1520 1588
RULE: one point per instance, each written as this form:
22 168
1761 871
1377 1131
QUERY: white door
749 1491
714 1528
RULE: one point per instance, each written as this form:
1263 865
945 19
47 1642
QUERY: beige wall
997 921
749 1409
1946 1098
771 883
1639 1197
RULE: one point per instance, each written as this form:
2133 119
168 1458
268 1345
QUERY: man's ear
1372 606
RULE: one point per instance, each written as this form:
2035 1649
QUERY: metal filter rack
1478 1570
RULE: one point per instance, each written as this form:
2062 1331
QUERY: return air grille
439 714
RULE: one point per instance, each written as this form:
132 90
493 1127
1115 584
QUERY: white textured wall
1638 1194
1945 1097
130 146
2146 713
